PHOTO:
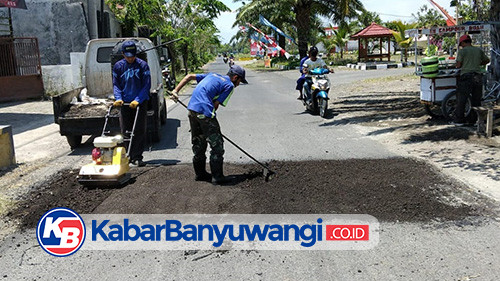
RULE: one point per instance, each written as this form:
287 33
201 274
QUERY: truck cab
100 56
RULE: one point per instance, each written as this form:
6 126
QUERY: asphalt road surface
264 118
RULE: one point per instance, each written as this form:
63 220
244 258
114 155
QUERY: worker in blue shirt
212 91
131 84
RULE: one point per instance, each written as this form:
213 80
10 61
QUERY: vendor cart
438 89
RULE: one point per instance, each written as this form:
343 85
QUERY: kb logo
60 232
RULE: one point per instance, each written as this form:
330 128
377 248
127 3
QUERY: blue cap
129 49
238 70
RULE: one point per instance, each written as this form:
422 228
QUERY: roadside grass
407 76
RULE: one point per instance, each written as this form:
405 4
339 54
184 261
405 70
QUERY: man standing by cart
212 90
469 84
131 84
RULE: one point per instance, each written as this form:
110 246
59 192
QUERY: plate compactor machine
110 160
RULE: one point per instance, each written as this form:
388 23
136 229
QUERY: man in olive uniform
212 90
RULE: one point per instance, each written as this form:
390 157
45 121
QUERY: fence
20 69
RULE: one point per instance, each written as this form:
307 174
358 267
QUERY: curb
364 66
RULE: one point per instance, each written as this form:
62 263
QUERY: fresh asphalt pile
382 188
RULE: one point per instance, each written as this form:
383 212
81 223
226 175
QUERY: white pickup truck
81 111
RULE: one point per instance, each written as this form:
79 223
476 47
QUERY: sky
388 10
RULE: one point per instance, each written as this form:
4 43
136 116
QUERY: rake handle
235 145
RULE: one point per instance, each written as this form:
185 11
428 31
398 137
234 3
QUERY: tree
191 20
428 17
472 10
339 39
400 38
303 11
495 39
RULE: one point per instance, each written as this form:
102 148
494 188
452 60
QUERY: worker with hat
470 60
212 91
131 84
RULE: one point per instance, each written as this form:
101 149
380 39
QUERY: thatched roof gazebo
373 31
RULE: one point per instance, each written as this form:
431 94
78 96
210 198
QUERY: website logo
231 232
61 232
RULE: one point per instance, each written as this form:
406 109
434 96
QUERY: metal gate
20 69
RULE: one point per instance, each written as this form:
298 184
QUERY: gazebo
373 31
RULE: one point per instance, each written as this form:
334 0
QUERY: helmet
464 38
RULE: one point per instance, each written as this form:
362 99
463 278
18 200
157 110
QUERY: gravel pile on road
379 187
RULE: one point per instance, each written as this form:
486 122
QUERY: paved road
264 118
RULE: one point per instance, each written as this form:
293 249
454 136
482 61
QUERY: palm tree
400 38
339 39
302 11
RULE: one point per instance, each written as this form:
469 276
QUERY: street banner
20 4
264 21
254 47
271 41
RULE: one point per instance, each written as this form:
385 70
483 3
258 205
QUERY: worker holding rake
212 90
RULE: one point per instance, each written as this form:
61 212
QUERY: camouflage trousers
206 130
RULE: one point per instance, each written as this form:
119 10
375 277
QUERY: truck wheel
163 114
74 141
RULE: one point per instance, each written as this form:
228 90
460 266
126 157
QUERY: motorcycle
231 62
317 100
168 79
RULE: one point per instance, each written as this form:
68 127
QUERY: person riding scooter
311 63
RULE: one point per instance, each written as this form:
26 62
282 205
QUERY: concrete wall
57 79
61 26
77 69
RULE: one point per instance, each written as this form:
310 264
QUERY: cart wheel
450 103
74 141
433 110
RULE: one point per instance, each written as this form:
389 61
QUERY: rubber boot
201 173
217 173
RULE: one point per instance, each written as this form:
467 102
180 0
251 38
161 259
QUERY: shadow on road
22 122
168 135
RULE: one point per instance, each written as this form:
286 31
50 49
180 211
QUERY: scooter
110 161
231 62
317 100
224 59
167 77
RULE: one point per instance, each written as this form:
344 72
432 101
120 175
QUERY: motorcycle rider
231 59
311 63
302 78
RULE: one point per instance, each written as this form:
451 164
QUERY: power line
395 15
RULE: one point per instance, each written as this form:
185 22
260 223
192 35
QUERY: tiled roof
373 30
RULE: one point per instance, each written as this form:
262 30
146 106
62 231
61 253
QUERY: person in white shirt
311 63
